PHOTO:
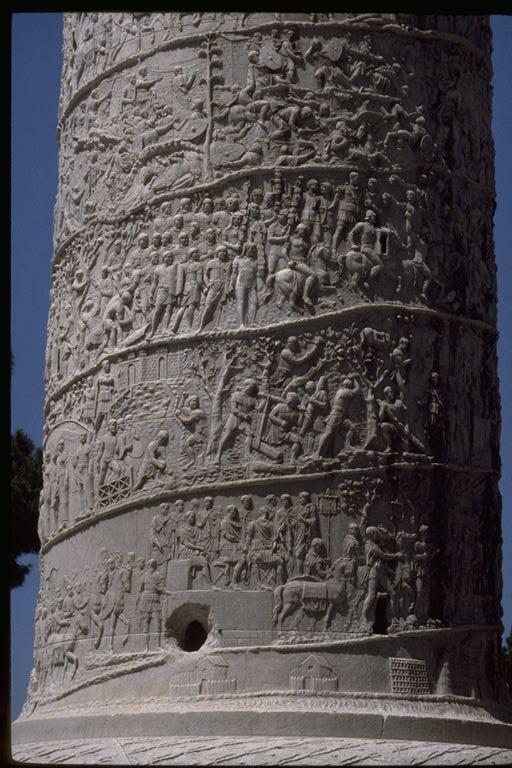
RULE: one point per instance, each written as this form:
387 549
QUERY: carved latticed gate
272 416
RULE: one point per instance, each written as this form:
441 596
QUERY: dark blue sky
36 63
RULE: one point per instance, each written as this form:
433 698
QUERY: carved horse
363 268
311 595
291 285
304 282
368 264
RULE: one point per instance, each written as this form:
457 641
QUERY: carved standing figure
244 284
240 421
149 601
193 417
105 389
340 417
376 577
83 464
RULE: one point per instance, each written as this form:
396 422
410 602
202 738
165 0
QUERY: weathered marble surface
271 446
259 751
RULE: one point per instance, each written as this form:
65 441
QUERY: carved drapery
271 355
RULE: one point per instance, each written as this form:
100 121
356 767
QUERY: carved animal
357 266
311 595
290 284
303 282
372 338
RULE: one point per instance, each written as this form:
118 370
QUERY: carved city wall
273 408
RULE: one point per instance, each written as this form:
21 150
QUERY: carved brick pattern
409 676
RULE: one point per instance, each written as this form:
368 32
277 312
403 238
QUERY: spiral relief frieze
272 410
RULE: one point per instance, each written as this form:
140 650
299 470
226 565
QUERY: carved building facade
273 413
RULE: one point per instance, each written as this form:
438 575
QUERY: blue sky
35 73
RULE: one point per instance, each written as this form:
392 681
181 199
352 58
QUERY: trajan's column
270 520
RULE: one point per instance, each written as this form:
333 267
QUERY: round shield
270 57
368 116
333 49
427 145
222 99
225 152
137 451
194 128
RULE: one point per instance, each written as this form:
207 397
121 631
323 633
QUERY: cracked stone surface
260 751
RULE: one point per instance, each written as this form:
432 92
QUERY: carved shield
195 128
225 152
270 57
137 451
334 48
427 145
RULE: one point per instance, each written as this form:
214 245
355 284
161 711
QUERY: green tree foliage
26 483
507 654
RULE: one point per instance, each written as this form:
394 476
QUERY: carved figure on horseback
306 276
310 593
365 259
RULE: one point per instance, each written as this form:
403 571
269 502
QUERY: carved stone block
409 676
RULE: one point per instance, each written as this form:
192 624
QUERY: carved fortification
270 499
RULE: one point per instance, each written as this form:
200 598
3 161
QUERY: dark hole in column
189 625
194 637
380 624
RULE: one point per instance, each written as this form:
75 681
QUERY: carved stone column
271 459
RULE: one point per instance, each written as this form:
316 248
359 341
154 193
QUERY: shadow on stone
380 624
188 625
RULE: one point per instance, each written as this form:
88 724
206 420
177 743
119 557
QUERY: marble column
270 504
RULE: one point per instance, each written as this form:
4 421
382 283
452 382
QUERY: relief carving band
272 410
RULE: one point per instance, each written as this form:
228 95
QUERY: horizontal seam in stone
229 178
176 43
326 318
193 490
334 696
296 647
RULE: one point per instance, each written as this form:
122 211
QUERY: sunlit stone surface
270 504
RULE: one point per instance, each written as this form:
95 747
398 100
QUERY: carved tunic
151 589
230 537
253 210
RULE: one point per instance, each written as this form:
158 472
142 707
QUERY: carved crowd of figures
400 227
277 407
293 99
267 174
279 545
248 258
359 558
93 607
225 411
133 34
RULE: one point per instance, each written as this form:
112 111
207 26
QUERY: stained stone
270 521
